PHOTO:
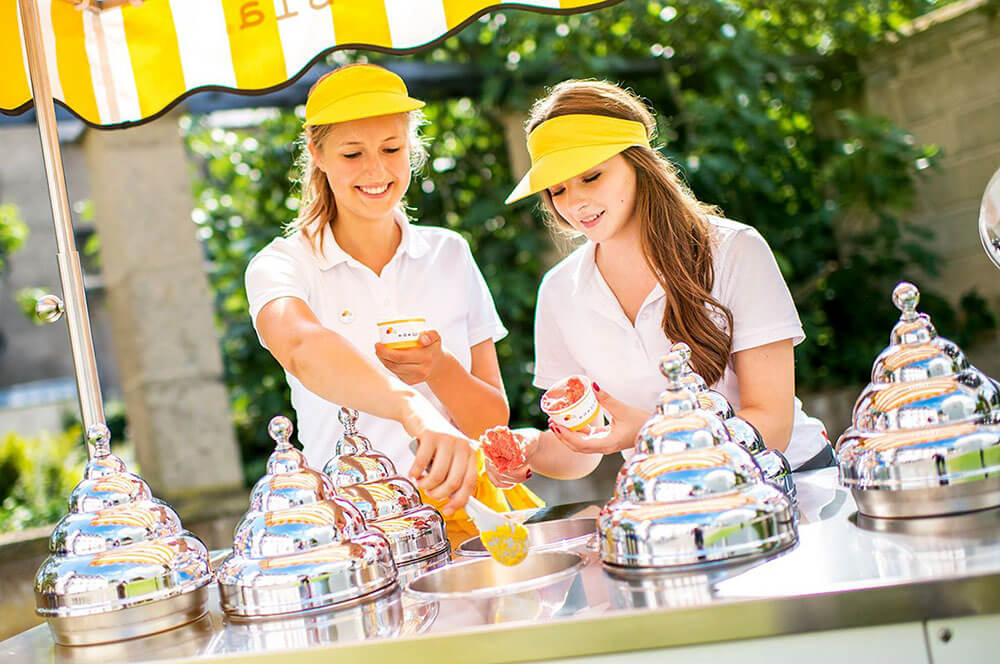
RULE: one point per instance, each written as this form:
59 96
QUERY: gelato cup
402 333
573 404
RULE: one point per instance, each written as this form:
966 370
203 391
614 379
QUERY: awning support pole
70 271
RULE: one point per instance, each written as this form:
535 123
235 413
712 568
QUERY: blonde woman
353 259
657 267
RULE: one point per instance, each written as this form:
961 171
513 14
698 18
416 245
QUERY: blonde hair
317 205
675 236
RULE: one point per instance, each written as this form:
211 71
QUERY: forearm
473 404
331 367
552 458
774 427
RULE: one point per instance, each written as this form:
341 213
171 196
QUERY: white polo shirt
580 328
432 275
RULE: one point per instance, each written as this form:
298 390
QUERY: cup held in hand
572 403
401 333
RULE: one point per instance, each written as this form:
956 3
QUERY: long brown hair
676 237
317 205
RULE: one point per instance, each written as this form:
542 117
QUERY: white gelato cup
401 333
585 414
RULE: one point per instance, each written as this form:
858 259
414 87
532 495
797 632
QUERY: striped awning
120 62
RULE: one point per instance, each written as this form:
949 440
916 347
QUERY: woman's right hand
445 463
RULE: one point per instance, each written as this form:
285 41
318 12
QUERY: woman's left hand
414 365
625 424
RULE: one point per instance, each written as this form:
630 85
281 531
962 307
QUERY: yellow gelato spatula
506 540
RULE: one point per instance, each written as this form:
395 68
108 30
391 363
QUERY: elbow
588 464
781 434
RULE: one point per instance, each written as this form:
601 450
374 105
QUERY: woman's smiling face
600 201
367 163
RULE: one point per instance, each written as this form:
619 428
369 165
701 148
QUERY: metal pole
70 272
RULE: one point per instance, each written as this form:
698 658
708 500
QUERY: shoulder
294 246
440 238
726 232
559 280
281 256
733 241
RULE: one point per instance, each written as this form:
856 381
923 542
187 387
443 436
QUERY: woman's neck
625 270
371 242
623 252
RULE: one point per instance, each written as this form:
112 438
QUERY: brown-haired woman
658 267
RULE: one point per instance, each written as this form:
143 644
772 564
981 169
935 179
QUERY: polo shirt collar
411 243
586 271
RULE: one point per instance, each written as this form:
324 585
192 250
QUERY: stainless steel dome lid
706 398
351 442
915 351
415 534
118 550
322 576
925 472
925 438
391 504
681 425
968 396
280 532
680 476
772 463
313 550
920 458
383 499
756 520
350 469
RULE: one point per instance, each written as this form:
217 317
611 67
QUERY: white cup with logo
401 332
572 403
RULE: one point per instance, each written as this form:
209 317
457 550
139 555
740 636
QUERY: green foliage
757 104
36 476
13 233
26 299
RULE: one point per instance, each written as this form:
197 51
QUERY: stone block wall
942 83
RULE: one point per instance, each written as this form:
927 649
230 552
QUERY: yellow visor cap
358 91
568 145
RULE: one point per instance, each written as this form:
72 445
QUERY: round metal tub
487 578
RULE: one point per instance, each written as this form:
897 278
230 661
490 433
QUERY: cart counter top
846 572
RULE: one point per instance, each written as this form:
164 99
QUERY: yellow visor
358 91
568 145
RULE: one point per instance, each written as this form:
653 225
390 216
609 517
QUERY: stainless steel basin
544 536
486 577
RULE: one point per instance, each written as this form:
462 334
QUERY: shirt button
347 316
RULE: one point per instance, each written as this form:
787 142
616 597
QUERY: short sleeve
553 360
482 320
270 275
752 288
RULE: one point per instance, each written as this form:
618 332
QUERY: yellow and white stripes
128 63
